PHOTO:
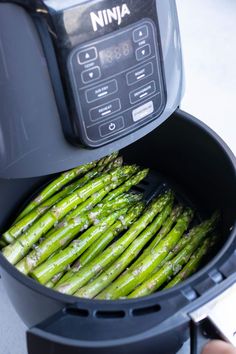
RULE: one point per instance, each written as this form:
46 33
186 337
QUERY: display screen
116 53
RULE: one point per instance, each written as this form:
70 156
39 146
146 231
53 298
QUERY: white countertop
208 29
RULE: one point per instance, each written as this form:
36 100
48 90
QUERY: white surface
208 29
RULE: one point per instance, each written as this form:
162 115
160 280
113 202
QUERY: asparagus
191 266
55 185
170 268
176 212
17 250
127 281
198 231
125 187
67 230
52 266
105 239
28 219
116 268
107 159
134 180
116 249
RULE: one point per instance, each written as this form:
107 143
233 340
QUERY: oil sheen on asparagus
91 233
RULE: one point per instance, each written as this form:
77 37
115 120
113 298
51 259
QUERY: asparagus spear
176 212
116 268
68 229
125 187
55 185
105 239
134 180
116 249
127 281
170 268
63 236
28 219
199 231
52 266
17 250
191 266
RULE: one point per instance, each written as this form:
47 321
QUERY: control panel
117 83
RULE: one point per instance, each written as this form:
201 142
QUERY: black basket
198 165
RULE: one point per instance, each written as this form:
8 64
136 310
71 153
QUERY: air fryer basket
202 170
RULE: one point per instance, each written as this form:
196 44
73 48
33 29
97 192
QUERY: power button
111 127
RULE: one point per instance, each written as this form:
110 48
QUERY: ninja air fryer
81 79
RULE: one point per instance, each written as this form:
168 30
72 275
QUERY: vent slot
146 310
77 312
110 314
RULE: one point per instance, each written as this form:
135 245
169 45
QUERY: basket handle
215 320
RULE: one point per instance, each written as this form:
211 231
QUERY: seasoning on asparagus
200 231
64 258
68 229
56 185
17 250
116 249
106 239
166 228
116 268
170 268
22 225
111 233
134 180
130 279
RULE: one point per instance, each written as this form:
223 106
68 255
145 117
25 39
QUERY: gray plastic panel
31 137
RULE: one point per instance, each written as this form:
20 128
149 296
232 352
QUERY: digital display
116 53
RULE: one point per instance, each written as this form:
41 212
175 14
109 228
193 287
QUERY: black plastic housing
194 159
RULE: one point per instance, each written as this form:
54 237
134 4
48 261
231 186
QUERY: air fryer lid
35 109
63 323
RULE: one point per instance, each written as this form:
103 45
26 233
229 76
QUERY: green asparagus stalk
192 265
199 231
62 181
107 159
17 250
175 214
170 268
116 268
134 180
56 185
120 225
111 253
28 219
127 281
56 264
67 230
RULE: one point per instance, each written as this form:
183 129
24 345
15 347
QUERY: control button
142 92
91 74
140 33
105 110
112 127
87 55
101 91
143 111
143 52
139 74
